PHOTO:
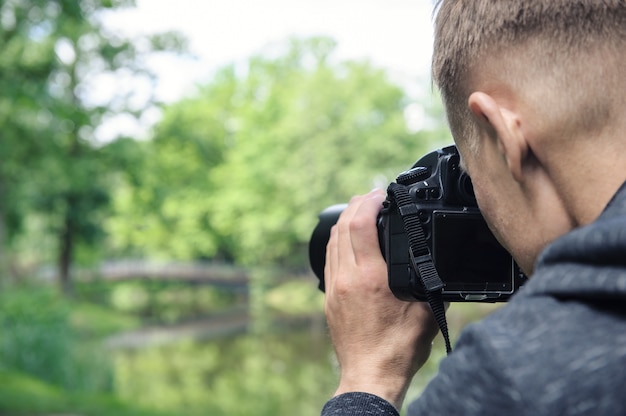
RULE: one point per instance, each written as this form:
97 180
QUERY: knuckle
359 224
342 288
355 199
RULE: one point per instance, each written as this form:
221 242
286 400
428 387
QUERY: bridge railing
217 274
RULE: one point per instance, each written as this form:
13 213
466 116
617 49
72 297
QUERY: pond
218 362
288 371
284 365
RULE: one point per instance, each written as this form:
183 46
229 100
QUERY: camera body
471 263
469 260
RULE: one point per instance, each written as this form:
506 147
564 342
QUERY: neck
587 173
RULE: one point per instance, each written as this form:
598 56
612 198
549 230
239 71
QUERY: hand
380 341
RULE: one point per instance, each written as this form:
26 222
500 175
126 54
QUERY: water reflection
281 372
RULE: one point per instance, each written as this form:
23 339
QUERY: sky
393 34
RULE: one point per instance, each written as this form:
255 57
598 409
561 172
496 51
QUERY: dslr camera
470 262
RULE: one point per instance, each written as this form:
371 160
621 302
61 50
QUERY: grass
24 395
49 363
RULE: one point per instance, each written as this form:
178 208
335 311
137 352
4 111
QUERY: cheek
508 222
484 200
488 205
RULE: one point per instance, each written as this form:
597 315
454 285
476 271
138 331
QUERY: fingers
332 259
363 230
354 238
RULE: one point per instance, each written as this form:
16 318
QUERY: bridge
220 275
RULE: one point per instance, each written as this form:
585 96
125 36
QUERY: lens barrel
319 240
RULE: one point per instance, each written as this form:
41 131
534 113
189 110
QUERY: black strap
421 258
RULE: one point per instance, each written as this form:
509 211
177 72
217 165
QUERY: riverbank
24 395
132 348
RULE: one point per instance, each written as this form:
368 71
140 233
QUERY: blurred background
162 165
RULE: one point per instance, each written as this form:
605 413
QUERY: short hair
551 38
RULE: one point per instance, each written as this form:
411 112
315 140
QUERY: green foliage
241 169
53 55
36 338
23 395
35 334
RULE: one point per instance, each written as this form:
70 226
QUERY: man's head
543 46
537 84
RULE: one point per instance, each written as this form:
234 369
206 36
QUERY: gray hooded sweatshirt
557 348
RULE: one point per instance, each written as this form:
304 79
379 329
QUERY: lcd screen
467 256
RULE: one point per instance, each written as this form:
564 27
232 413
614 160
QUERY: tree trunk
4 269
66 246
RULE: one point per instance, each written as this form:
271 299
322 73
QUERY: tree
26 63
241 169
69 177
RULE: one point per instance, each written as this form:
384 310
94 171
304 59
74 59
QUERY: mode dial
412 175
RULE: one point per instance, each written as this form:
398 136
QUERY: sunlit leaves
54 57
249 161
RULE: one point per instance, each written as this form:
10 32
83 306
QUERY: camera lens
319 240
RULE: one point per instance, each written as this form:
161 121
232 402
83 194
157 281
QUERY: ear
505 125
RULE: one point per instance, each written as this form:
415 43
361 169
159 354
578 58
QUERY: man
535 93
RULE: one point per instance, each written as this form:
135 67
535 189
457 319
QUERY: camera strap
421 258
